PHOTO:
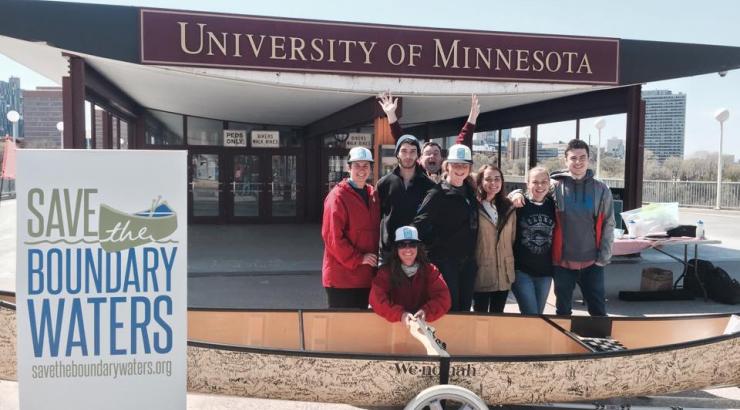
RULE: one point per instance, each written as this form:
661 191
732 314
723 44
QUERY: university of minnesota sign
212 40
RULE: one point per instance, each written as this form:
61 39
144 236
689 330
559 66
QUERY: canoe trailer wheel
455 397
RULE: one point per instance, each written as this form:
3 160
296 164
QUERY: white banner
265 139
102 279
235 138
358 139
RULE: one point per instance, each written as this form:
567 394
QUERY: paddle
424 333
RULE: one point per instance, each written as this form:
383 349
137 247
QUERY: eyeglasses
406 244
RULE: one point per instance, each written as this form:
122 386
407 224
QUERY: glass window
338 138
552 139
485 149
283 186
99 134
163 128
610 140
337 171
88 124
123 138
290 137
205 185
115 140
202 131
515 153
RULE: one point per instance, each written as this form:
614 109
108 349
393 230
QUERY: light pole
60 128
527 134
721 116
599 124
13 117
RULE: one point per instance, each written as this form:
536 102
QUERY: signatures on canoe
295 377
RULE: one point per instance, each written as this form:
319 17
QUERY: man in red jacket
350 233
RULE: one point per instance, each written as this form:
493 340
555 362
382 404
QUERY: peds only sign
101 279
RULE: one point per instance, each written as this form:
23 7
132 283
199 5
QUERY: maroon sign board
277 44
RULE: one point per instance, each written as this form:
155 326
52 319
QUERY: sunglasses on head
407 244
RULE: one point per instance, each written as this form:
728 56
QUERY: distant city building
485 141
505 137
551 150
546 152
42 111
615 147
518 147
11 98
665 120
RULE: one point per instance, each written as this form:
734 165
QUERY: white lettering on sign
358 139
265 139
235 138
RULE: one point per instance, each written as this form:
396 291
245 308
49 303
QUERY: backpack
705 271
722 288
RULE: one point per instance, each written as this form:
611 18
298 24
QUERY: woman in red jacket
409 286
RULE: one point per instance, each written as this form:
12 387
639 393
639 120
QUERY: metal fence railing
692 193
7 190
686 193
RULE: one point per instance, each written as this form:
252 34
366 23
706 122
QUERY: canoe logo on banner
118 230
65 216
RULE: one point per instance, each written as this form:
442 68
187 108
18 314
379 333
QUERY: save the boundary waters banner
102 279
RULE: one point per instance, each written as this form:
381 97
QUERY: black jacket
448 222
398 204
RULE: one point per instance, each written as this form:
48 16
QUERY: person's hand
420 315
406 318
474 109
370 259
389 105
517 199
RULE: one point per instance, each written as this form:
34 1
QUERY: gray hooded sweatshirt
584 228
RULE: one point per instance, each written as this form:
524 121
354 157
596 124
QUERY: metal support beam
73 97
635 148
364 112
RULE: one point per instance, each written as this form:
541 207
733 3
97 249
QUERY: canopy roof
38 34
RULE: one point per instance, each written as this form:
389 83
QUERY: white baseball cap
459 153
360 154
407 233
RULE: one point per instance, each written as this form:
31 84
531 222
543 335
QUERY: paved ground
278 266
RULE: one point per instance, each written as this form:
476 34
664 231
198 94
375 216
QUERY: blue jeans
531 292
591 282
459 274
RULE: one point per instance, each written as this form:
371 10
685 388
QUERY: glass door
284 187
334 170
205 191
264 187
246 187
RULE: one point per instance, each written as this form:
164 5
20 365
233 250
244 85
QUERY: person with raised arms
431 153
448 225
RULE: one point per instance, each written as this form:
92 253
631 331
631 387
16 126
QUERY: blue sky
708 22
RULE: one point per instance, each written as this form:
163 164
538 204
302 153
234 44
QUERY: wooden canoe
359 358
